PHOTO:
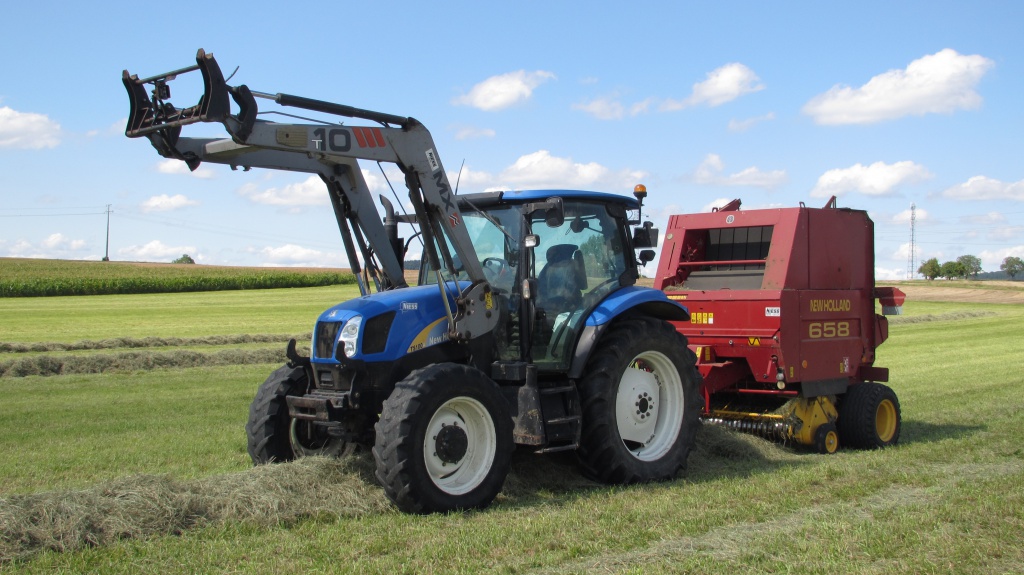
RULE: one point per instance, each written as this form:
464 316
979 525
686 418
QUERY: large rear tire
641 403
869 416
444 440
273 436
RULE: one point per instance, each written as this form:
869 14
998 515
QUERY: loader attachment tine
156 114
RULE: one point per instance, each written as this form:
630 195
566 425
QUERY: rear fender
626 302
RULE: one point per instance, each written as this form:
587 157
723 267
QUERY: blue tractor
525 327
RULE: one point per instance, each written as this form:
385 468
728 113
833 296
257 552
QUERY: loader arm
331 151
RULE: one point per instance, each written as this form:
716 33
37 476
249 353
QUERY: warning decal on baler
703 317
754 341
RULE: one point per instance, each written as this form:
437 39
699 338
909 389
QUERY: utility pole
910 263
106 255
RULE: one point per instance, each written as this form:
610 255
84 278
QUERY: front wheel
273 436
641 405
444 440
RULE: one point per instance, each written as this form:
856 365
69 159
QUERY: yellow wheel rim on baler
885 421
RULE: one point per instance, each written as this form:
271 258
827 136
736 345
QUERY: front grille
326 336
375 336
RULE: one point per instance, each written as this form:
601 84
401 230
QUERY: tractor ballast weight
783 321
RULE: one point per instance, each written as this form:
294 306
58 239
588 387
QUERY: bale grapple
784 321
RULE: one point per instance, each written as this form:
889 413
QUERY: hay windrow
147 342
951 316
52 365
144 506
313 488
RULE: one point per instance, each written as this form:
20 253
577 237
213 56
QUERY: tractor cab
550 257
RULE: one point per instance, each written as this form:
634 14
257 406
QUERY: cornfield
37 278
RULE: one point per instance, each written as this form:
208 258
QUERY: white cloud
499 92
292 255
984 188
165 203
1006 233
602 108
920 215
939 83
155 250
310 192
722 85
27 130
541 170
60 241
55 245
710 172
172 166
744 125
890 274
992 259
473 133
878 179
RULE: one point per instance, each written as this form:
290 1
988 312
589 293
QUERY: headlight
350 335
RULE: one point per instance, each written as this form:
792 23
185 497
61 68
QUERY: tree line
967 266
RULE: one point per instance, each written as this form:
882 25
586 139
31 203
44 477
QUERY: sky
885 105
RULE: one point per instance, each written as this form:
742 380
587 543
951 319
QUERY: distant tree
930 269
952 270
184 259
971 265
1012 265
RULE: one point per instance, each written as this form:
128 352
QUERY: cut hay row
147 342
950 316
148 505
144 506
51 365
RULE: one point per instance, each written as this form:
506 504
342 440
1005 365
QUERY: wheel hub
451 443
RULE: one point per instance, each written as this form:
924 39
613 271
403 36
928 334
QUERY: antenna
913 247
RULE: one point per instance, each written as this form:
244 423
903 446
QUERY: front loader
526 328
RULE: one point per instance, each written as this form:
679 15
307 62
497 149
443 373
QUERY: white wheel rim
458 474
333 447
649 406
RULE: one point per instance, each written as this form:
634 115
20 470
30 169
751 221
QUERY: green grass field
145 470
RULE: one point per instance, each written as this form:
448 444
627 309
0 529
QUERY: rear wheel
273 435
444 440
641 405
869 416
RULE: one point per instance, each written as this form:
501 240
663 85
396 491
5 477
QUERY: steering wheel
498 273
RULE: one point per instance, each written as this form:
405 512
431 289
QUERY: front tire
444 440
641 405
273 436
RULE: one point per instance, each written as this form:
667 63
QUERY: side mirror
646 256
645 236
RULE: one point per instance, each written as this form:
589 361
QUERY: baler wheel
273 436
869 416
826 438
641 405
444 440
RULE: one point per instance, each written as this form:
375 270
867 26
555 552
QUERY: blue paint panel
625 299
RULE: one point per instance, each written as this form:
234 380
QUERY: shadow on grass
926 432
718 454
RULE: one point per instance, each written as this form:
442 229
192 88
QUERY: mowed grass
948 499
